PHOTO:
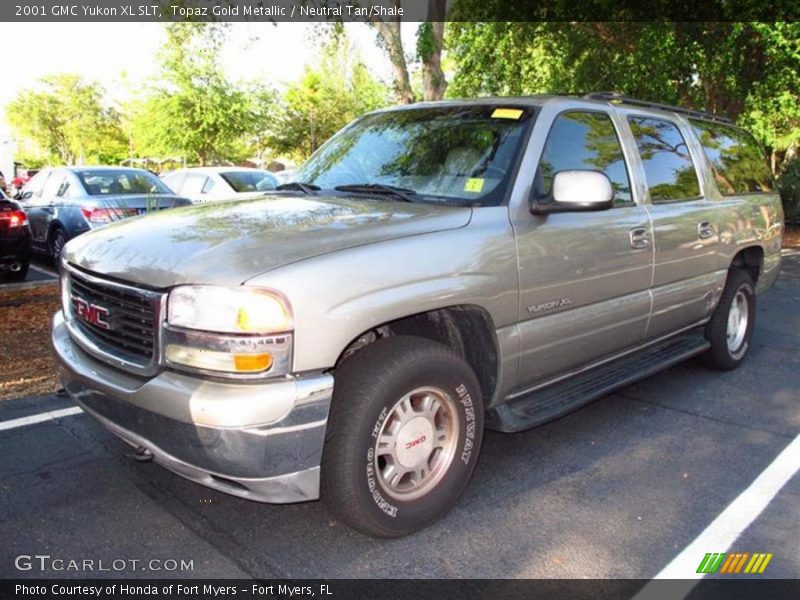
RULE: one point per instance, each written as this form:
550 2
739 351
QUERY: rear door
37 206
584 276
686 281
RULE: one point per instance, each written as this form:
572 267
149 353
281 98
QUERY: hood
226 243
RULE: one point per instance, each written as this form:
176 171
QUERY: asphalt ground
617 489
41 270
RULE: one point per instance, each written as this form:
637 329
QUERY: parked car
15 240
65 202
285 176
437 268
206 184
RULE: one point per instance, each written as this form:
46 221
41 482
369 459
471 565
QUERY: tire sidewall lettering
465 400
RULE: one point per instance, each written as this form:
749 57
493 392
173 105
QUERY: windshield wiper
400 193
307 188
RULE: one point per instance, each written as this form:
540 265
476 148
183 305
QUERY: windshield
250 181
113 182
459 154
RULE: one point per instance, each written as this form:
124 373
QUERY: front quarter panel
338 296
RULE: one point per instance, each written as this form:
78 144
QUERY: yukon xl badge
560 303
92 313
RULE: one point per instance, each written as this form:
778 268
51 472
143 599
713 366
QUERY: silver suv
433 270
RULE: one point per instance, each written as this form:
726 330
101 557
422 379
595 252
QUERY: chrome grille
132 317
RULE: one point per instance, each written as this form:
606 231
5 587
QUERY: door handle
640 238
705 230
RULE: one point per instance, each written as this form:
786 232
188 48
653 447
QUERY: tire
57 240
17 276
731 326
373 392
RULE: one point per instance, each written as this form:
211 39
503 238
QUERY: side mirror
575 191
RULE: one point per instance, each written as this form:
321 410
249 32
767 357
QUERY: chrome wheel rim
738 318
417 443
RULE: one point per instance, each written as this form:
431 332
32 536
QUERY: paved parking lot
617 489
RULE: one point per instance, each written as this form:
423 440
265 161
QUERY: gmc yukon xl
433 270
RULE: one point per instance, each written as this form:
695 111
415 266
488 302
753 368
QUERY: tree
68 121
430 45
325 99
194 110
748 71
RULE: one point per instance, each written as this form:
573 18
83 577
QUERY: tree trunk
389 32
434 83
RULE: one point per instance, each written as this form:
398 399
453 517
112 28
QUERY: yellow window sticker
474 184
507 113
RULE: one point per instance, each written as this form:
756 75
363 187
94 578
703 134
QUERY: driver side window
583 140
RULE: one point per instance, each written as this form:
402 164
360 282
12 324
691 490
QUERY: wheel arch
751 260
467 329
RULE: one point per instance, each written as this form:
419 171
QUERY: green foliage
67 122
750 71
789 186
325 99
195 111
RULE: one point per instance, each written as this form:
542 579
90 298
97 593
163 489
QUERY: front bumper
258 441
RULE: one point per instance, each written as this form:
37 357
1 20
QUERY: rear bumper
262 441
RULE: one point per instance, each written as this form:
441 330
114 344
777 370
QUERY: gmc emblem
92 313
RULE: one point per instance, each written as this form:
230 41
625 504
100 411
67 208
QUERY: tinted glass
584 141
738 165
459 154
112 182
667 163
250 181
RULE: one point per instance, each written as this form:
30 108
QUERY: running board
562 397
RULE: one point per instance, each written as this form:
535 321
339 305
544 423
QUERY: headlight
228 310
235 332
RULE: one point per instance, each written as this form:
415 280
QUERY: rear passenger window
583 140
738 165
667 163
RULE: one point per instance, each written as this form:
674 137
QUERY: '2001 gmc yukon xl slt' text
433 270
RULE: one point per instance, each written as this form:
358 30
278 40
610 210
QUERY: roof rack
622 98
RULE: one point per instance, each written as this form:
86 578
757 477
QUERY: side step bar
554 401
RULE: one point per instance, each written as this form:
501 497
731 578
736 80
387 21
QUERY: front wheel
403 437
731 326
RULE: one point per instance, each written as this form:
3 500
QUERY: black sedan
15 240
64 202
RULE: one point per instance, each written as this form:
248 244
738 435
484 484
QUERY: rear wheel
403 438
57 241
731 326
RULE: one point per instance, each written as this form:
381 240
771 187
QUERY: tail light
13 218
107 215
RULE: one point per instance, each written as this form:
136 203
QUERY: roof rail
623 99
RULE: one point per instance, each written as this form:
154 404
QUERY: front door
584 276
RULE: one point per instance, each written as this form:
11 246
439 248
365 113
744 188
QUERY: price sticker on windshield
474 185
